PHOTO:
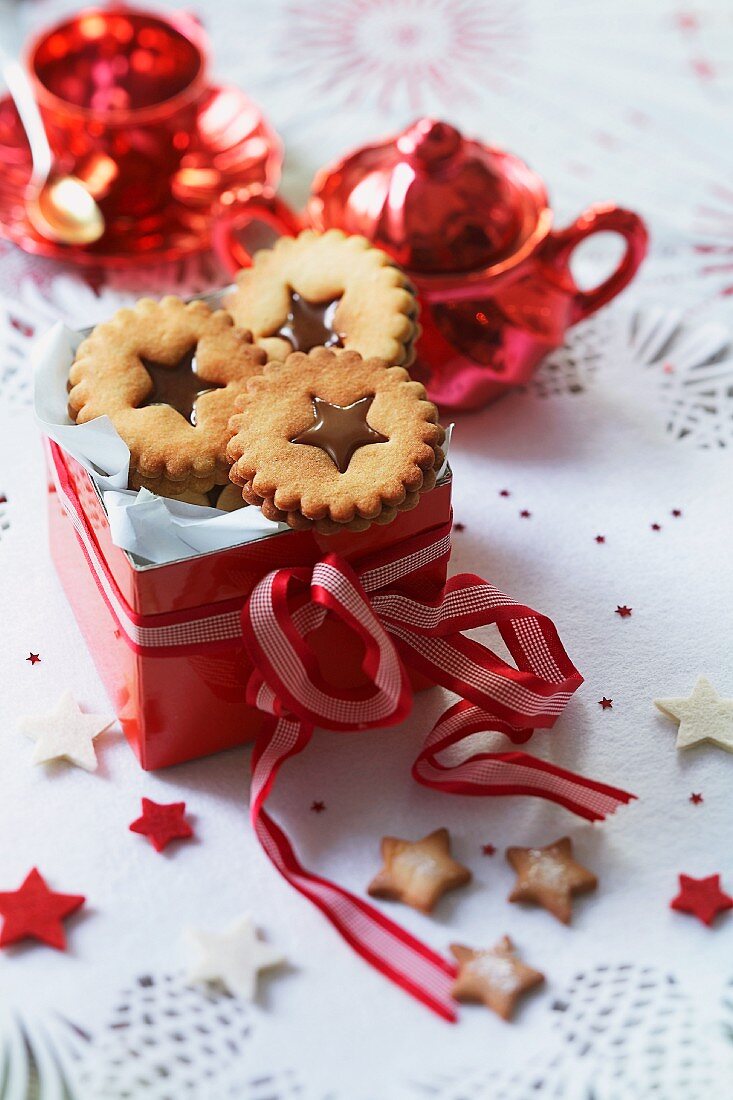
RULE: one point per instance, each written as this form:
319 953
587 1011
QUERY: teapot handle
598 219
236 211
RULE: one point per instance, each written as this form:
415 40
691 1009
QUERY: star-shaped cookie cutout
33 911
340 430
162 823
550 877
495 977
233 957
702 897
704 716
65 734
418 872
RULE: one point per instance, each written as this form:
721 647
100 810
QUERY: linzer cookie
333 441
327 290
167 375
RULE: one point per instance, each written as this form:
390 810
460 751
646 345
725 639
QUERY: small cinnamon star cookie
167 375
418 873
327 290
495 977
333 441
550 877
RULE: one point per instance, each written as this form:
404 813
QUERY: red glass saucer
231 146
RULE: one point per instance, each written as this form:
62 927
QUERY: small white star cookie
66 733
704 716
233 957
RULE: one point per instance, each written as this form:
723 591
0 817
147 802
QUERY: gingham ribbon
397 629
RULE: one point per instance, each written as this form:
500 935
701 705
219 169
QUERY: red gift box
176 706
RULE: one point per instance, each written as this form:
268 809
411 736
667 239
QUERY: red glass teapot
472 226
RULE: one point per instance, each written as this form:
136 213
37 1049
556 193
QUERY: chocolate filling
178 386
340 430
310 324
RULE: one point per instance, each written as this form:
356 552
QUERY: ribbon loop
283 608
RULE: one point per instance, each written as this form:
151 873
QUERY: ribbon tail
509 772
401 957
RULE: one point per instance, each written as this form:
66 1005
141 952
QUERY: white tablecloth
626 102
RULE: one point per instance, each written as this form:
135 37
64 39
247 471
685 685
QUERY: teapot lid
433 199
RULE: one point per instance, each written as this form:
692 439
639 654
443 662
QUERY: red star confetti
605 704
35 912
702 897
162 823
318 807
703 68
504 493
676 512
525 513
33 658
696 798
600 539
656 527
459 527
624 612
488 849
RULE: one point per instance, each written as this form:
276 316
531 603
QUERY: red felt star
488 849
504 493
161 823
605 704
525 513
676 512
695 798
600 539
624 612
318 807
34 911
656 527
702 897
33 658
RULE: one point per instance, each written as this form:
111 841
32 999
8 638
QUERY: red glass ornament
472 226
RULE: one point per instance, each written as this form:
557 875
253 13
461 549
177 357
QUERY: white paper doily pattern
627 424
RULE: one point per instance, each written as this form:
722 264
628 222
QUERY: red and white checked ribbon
398 629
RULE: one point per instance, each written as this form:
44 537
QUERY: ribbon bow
397 628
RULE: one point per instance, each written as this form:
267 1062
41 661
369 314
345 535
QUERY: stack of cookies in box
294 398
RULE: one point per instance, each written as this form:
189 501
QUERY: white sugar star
65 734
704 716
232 957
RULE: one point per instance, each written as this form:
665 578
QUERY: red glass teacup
118 90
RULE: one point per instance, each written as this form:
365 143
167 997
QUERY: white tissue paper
154 529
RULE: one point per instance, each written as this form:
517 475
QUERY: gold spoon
59 206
